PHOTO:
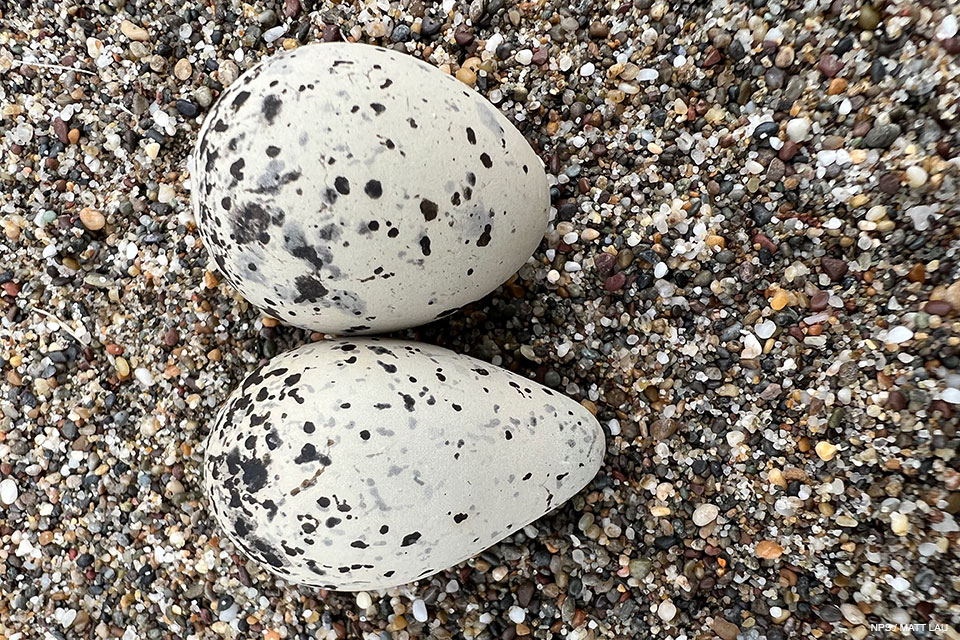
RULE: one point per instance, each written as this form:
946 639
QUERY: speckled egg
347 188
368 463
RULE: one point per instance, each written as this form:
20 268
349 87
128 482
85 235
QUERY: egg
366 463
347 188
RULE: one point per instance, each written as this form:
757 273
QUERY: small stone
830 65
768 550
917 273
853 614
899 523
134 32
9 492
725 629
364 601
92 219
705 514
419 610
916 177
869 18
898 335
938 308
666 611
826 450
779 300
183 69
881 137
835 268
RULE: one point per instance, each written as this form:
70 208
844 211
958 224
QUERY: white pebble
270 35
553 276
571 267
419 610
364 601
898 335
753 167
587 69
948 27
143 376
647 75
751 347
524 56
705 514
667 610
765 329
916 176
165 193
517 615
951 395
798 129
9 492
660 269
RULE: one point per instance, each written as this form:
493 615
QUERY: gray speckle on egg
368 463
347 188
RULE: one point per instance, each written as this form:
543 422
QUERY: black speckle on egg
342 185
373 189
410 539
429 209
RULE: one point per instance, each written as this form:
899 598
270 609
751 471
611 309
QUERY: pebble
9 492
705 514
419 610
364 601
666 611
798 129
898 335
134 32
92 219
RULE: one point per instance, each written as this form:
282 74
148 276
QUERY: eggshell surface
347 188
368 463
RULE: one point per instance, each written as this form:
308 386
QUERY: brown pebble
92 219
837 86
819 300
788 150
830 65
540 56
938 308
713 57
74 136
835 268
60 128
598 30
171 337
941 407
604 263
889 183
615 282
896 401
291 8
725 629
917 274
861 129
463 36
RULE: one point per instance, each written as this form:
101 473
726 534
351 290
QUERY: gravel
751 278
